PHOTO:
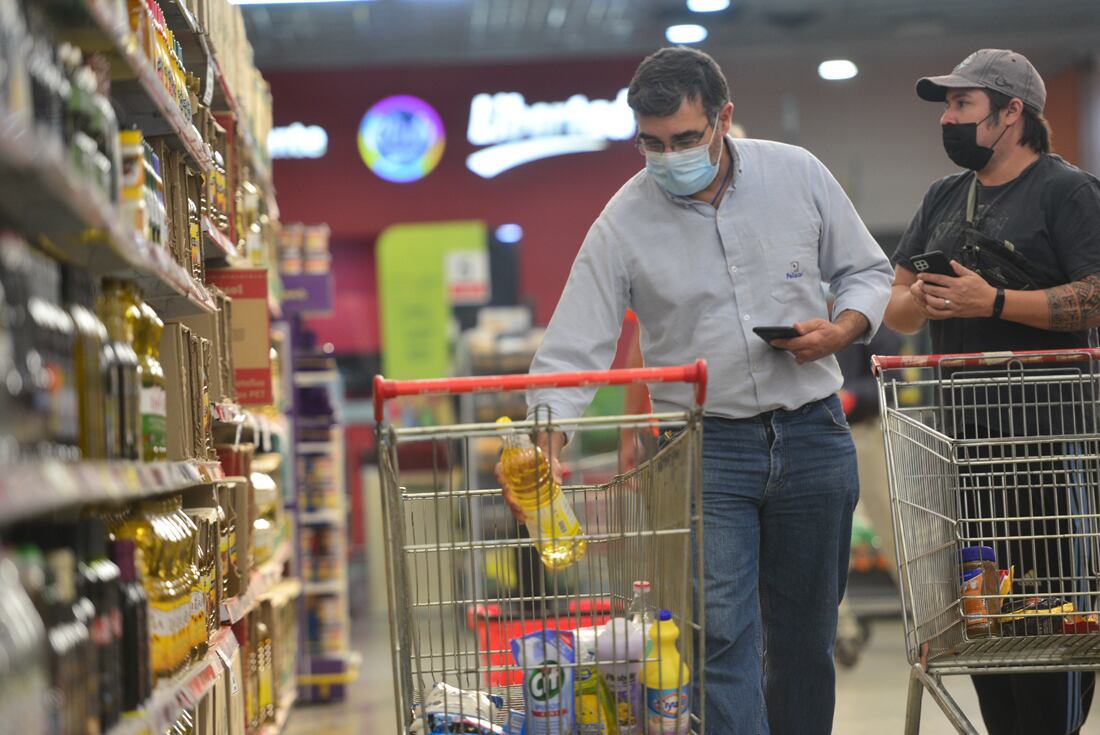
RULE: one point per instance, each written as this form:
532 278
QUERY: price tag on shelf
211 80
233 686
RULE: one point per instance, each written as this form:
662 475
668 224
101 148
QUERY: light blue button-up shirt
700 278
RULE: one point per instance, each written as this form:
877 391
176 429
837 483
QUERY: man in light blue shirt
715 237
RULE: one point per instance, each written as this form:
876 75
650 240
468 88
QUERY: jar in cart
980 590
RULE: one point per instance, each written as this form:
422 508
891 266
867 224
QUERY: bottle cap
978 553
664 615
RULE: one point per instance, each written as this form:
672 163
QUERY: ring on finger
946 303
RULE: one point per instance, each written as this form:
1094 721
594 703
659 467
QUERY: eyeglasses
681 143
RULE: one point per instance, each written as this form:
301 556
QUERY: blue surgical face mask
683 173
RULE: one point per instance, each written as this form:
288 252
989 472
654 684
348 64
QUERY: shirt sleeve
858 272
584 331
1076 231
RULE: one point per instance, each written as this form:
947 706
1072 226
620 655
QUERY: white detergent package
448 709
547 658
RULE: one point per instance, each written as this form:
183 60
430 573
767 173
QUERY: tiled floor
870 696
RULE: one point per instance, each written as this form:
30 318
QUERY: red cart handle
387 389
881 362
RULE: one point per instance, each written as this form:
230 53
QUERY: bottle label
154 422
667 711
557 520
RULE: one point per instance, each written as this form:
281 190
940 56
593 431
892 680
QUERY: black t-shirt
1051 215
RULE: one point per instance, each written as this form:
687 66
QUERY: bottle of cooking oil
206 551
154 394
190 563
145 527
550 517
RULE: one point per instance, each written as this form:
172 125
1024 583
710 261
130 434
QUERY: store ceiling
418 31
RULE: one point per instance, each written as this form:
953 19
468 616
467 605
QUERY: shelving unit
68 201
34 489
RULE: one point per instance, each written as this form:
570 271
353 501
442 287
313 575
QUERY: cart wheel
847 653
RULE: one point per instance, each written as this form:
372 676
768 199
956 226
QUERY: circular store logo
401 139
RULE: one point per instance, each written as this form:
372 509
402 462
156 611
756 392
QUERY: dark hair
1036 128
674 74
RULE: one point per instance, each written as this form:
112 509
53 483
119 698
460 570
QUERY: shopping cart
998 450
459 588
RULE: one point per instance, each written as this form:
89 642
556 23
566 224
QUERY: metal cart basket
996 450
465 578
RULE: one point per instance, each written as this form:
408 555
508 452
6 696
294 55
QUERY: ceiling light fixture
686 33
837 69
707 6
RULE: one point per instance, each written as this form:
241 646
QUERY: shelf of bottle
29 489
170 698
45 198
145 101
215 243
262 580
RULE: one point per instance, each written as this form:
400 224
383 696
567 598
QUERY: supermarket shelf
215 242
145 101
332 587
261 582
315 378
184 692
316 447
282 713
315 517
44 197
35 488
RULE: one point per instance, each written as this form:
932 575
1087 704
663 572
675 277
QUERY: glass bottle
122 384
101 577
91 337
24 666
154 394
136 680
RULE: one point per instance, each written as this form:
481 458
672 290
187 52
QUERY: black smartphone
934 261
769 333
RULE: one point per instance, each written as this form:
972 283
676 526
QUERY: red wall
554 200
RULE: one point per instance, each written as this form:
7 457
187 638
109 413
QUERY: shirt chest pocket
793 271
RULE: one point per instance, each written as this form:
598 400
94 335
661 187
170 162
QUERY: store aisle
870 697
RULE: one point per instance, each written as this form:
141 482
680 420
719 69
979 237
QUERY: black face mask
960 140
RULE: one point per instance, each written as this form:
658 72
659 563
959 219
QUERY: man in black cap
1021 229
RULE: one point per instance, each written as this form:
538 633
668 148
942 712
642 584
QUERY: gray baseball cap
991 68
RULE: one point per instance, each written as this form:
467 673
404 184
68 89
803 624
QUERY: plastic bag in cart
449 709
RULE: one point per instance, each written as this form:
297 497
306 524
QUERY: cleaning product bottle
620 647
550 517
667 682
595 708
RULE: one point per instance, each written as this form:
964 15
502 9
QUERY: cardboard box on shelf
175 348
251 331
213 327
235 499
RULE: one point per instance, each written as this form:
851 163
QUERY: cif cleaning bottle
667 682
550 517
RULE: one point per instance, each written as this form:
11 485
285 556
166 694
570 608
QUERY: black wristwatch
998 303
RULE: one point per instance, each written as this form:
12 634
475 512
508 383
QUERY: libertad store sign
516 132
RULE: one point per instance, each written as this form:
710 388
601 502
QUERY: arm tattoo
1075 306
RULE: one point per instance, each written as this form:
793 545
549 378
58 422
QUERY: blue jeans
778 494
